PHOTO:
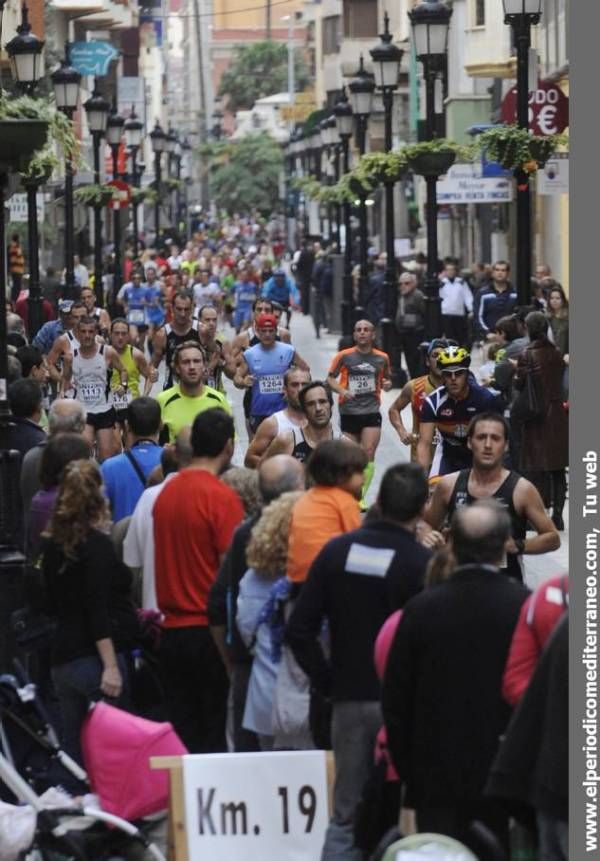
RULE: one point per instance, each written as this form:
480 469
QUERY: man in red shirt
195 516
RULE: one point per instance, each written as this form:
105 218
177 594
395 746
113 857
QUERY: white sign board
255 805
464 183
553 178
18 207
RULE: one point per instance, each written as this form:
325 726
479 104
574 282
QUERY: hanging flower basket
381 167
432 163
19 139
516 149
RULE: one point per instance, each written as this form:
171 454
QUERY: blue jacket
47 335
283 293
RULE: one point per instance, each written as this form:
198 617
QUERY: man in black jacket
442 692
277 475
356 581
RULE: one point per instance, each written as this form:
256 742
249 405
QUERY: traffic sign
121 194
92 58
548 109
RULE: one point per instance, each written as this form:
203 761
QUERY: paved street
318 353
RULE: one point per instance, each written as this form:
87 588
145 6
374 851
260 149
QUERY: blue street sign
491 169
92 58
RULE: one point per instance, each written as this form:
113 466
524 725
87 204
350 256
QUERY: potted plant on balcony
517 149
436 157
26 125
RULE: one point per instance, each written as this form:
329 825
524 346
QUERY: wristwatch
520 545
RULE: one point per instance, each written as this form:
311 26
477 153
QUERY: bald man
278 475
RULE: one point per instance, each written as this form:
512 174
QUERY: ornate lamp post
114 133
97 108
65 81
134 133
430 22
158 140
386 62
521 15
26 61
362 88
344 121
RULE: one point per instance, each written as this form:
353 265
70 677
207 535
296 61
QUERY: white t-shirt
138 547
205 294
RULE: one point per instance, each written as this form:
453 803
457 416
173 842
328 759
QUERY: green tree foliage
259 70
245 174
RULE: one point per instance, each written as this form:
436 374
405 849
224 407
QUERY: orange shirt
321 514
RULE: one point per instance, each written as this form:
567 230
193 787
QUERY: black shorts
247 402
120 416
102 421
355 423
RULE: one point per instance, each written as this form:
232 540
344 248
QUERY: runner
450 409
85 369
134 299
218 356
487 440
88 297
414 393
248 337
136 365
280 288
288 419
66 343
316 403
261 369
363 371
179 331
181 403
245 293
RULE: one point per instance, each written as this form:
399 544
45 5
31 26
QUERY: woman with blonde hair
267 556
89 594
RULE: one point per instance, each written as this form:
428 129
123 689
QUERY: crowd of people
278 609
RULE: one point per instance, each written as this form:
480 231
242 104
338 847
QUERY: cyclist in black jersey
487 439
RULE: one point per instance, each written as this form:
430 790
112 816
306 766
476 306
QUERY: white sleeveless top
73 342
284 423
90 381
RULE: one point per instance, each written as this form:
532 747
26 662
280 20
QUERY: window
332 34
480 13
360 19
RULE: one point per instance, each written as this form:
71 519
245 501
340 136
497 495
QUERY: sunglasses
454 374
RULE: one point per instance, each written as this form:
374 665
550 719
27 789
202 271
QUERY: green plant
376 167
259 69
94 195
308 185
40 168
463 152
515 148
60 127
174 184
144 195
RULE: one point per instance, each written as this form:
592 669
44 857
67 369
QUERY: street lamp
521 15
97 108
114 134
134 133
362 88
65 81
158 141
344 119
430 21
386 66
25 53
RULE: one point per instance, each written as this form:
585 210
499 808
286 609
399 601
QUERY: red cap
266 320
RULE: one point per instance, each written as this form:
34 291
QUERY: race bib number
247 297
361 385
137 316
91 393
121 402
270 384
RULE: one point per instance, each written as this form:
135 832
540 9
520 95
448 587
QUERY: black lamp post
25 53
386 65
362 87
186 149
114 133
170 148
134 133
97 108
345 120
430 22
65 81
521 15
158 140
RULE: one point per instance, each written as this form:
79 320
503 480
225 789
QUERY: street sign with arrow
92 58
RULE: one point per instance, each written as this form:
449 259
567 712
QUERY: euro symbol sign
547 120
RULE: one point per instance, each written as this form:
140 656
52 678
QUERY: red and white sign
121 194
548 109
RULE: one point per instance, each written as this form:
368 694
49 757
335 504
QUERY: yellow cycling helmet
454 359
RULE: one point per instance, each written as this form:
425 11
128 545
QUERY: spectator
25 402
453 640
497 300
16 265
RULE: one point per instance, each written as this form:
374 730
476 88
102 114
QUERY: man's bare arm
263 438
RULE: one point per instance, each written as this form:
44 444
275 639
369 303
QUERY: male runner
136 365
261 369
85 369
245 293
285 420
217 351
316 403
134 299
450 409
88 297
248 337
181 403
487 440
67 342
363 371
180 330
414 393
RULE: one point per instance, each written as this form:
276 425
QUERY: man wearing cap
414 393
262 368
280 288
450 409
52 330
